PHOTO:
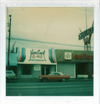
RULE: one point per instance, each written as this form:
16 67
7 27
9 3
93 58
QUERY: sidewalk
27 80
37 79
81 79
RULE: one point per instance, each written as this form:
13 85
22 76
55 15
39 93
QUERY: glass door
45 70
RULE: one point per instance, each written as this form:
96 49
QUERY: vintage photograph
49 51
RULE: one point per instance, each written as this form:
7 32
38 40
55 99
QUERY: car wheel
63 79
7 79
44 79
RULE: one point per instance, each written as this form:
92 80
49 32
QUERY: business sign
37 67
68 55
84 56
86 33
37 55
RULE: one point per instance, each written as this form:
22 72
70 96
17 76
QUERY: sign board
84 56
37 67
37 55
86 33
68 55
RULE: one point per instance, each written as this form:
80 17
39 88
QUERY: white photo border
61 99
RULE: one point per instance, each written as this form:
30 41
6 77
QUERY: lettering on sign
86 33
37 56
84 56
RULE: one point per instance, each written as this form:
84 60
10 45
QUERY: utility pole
9 41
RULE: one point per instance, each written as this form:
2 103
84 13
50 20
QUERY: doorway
81 69
45 70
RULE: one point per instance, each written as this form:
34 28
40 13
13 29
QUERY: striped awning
52 55
23 56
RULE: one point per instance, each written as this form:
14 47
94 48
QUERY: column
18 71
89 70
45 70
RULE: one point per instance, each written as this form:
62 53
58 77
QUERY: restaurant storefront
35 62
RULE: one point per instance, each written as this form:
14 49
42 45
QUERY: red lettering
91 57
88 57
76 56
84 56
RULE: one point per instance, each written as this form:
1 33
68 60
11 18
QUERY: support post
56 67
9 41
45 70
89 70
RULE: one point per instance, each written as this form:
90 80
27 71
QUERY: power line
19 39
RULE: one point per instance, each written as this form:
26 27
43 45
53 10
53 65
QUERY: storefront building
75 63
30 62
35 62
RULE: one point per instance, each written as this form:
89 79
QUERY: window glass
26 70
60 73
8 72
55 73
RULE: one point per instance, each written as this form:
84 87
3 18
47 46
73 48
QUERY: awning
21 52
36 56
12 59
52 55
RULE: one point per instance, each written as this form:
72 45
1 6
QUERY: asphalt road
68 88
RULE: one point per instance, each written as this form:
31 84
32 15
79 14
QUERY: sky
58 25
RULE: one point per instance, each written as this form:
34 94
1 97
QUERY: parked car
10 75
54 76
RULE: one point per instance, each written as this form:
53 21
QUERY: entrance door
42 71
45 70
81 69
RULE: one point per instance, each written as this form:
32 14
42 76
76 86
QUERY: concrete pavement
33 87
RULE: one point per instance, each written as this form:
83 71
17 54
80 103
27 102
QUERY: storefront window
26 69
82 68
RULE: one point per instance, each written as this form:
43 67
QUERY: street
50 88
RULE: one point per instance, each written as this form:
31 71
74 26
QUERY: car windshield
9 72
50 74
61 73
56 73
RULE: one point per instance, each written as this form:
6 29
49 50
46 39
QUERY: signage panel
86 33
68 55
77 56
37 67
37 55
84 56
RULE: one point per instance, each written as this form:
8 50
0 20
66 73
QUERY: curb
37 80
